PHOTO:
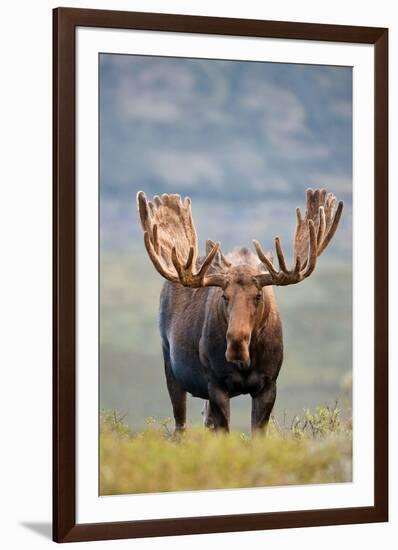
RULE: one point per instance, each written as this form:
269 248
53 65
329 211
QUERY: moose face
243 304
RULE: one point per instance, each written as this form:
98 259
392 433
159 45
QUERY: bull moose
219 322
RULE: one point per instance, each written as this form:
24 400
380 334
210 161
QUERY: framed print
220 275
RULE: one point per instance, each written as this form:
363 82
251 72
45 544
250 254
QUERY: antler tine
263 258
156 260
143 209
177 264
281 256
312 254
221 261
207 261
155 239
332 230
189 262
322 224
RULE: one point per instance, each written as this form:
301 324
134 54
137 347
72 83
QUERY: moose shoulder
219 321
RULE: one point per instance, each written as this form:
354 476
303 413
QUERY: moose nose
242 365
238 351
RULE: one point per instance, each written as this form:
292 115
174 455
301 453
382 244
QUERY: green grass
315 448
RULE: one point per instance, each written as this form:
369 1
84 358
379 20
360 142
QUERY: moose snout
242 365
238 350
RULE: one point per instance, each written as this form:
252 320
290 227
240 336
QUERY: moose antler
169 235
312 236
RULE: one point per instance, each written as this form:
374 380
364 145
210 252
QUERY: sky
242 136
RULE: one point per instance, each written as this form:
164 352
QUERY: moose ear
220 260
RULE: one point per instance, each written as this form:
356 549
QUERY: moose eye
258 297
225 298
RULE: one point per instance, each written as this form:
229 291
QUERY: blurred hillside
223 130
244 140
317 337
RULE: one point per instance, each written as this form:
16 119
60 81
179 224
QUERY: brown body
220 326
217 349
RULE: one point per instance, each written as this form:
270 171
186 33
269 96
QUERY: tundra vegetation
313 448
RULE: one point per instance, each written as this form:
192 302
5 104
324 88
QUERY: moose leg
262 405
219 406
208 420
178 397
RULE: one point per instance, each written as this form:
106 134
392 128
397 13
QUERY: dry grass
316 448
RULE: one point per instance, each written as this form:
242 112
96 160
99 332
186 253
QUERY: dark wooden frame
65 22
